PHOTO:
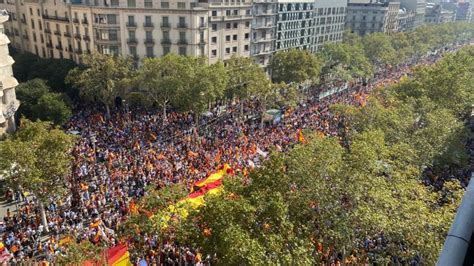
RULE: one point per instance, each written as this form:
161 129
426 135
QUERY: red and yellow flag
118 256
300 136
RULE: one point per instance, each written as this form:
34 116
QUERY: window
149 35
227 50
31 11
166 35
148 3
227 38
228 25
214 13
214 39
234 37
131 34
247 24
214 53
227 12
246 36
236 25
131 20
113 35
214 27
182 50
181 5
32 24
112 19
131 3
234 49
182 35
235 12
149 51
165 4
246 47
166 50
133 50
148 22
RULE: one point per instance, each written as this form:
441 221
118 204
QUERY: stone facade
369 17
8 101
435 14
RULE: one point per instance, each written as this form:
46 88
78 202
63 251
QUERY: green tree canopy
103 78
296 66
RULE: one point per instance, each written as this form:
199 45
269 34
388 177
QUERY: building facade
369 17
8 102
435 14
416 6
464 12
329 22
406 20
263 30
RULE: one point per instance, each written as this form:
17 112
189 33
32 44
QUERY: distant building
418 7
464 12
8 101
365 17
435 14
406 20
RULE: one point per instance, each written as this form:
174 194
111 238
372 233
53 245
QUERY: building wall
417 6
8 102
263 30
366 18
329 22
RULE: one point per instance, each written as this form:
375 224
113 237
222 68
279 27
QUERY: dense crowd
117 158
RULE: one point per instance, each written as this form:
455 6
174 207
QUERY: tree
37 102
103 79
76 254
37 159
379 50
344 62
295 66
162 78
52 107
29 93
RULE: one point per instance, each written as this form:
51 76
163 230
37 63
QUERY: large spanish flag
118 256
213 177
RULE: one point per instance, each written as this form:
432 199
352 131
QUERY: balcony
202 25
165 25
84 21
77 36
86 38
23 21
48 31
75 20
56 18
166 41
49 45
148 25
67 34
78 51
59 47
131 24
202 42
58 33
25 37
263 26
264 13
133 41
149 41
182 42
107 41
181 25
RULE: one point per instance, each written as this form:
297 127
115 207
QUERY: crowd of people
117 158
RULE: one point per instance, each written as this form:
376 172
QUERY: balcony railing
49 45
67 34
182 25
182 42
149 41
57 33
148 25
75 20
59 47
85 21
132 41
202 25
166 41
78 51
77 36
25 37
86 38
23 21
47 31
65 19
165 25
131 24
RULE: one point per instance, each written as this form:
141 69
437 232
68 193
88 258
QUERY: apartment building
137 28
263 30
464 12
435 14
329 22
418 7
406 20
8 102
365 17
